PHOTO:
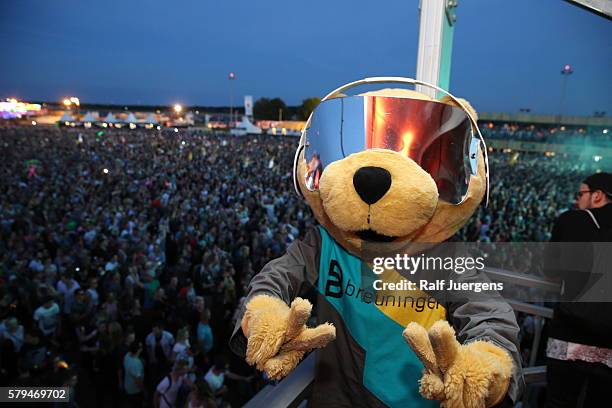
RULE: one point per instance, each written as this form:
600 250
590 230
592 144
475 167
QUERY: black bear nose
371 183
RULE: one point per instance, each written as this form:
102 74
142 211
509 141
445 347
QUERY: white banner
248 105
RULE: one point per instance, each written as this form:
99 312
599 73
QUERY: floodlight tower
231 78
565 73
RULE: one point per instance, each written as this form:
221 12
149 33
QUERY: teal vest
391 370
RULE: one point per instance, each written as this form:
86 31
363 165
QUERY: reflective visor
437 136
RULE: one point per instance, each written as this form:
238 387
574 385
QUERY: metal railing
293 390
539 312
523 279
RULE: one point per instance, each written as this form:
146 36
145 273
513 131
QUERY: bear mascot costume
388 172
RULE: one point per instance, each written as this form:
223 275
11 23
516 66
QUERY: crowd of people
127 246
124 255
549 134
527 192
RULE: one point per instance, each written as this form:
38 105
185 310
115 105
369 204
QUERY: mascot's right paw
277 335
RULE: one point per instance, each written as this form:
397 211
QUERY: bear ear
398 93
340 95
448 100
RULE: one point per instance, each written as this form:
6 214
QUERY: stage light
105 171
178 108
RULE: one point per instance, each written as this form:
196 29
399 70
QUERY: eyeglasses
579 194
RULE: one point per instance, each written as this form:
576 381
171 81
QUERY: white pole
436 21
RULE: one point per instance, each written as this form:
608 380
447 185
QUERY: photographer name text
437 285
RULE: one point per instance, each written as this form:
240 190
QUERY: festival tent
245 127
151 119
110 118
88 120
66 118
89 117
131 119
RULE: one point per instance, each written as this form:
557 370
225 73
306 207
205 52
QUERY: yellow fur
281 365
410 210
348 212
458 376
310 338
298 314
473 375
399 93
277 335
431 387
418 339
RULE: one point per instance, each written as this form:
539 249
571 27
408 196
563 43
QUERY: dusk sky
507 54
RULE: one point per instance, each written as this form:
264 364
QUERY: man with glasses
595 193
579 348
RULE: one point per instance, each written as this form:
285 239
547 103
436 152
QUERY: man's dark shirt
583 323
578 226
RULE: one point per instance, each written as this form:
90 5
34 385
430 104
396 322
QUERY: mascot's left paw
476 375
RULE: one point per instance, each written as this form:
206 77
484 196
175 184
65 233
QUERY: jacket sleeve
286 277
487 316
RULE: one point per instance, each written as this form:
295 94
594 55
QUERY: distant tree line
277 109
263 109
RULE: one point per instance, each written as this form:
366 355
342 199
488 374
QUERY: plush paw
277 334
476 375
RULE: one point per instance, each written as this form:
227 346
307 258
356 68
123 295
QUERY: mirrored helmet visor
437 136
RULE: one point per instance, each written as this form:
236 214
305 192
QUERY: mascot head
387 169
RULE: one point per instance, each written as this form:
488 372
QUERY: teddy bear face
380 200
383 195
